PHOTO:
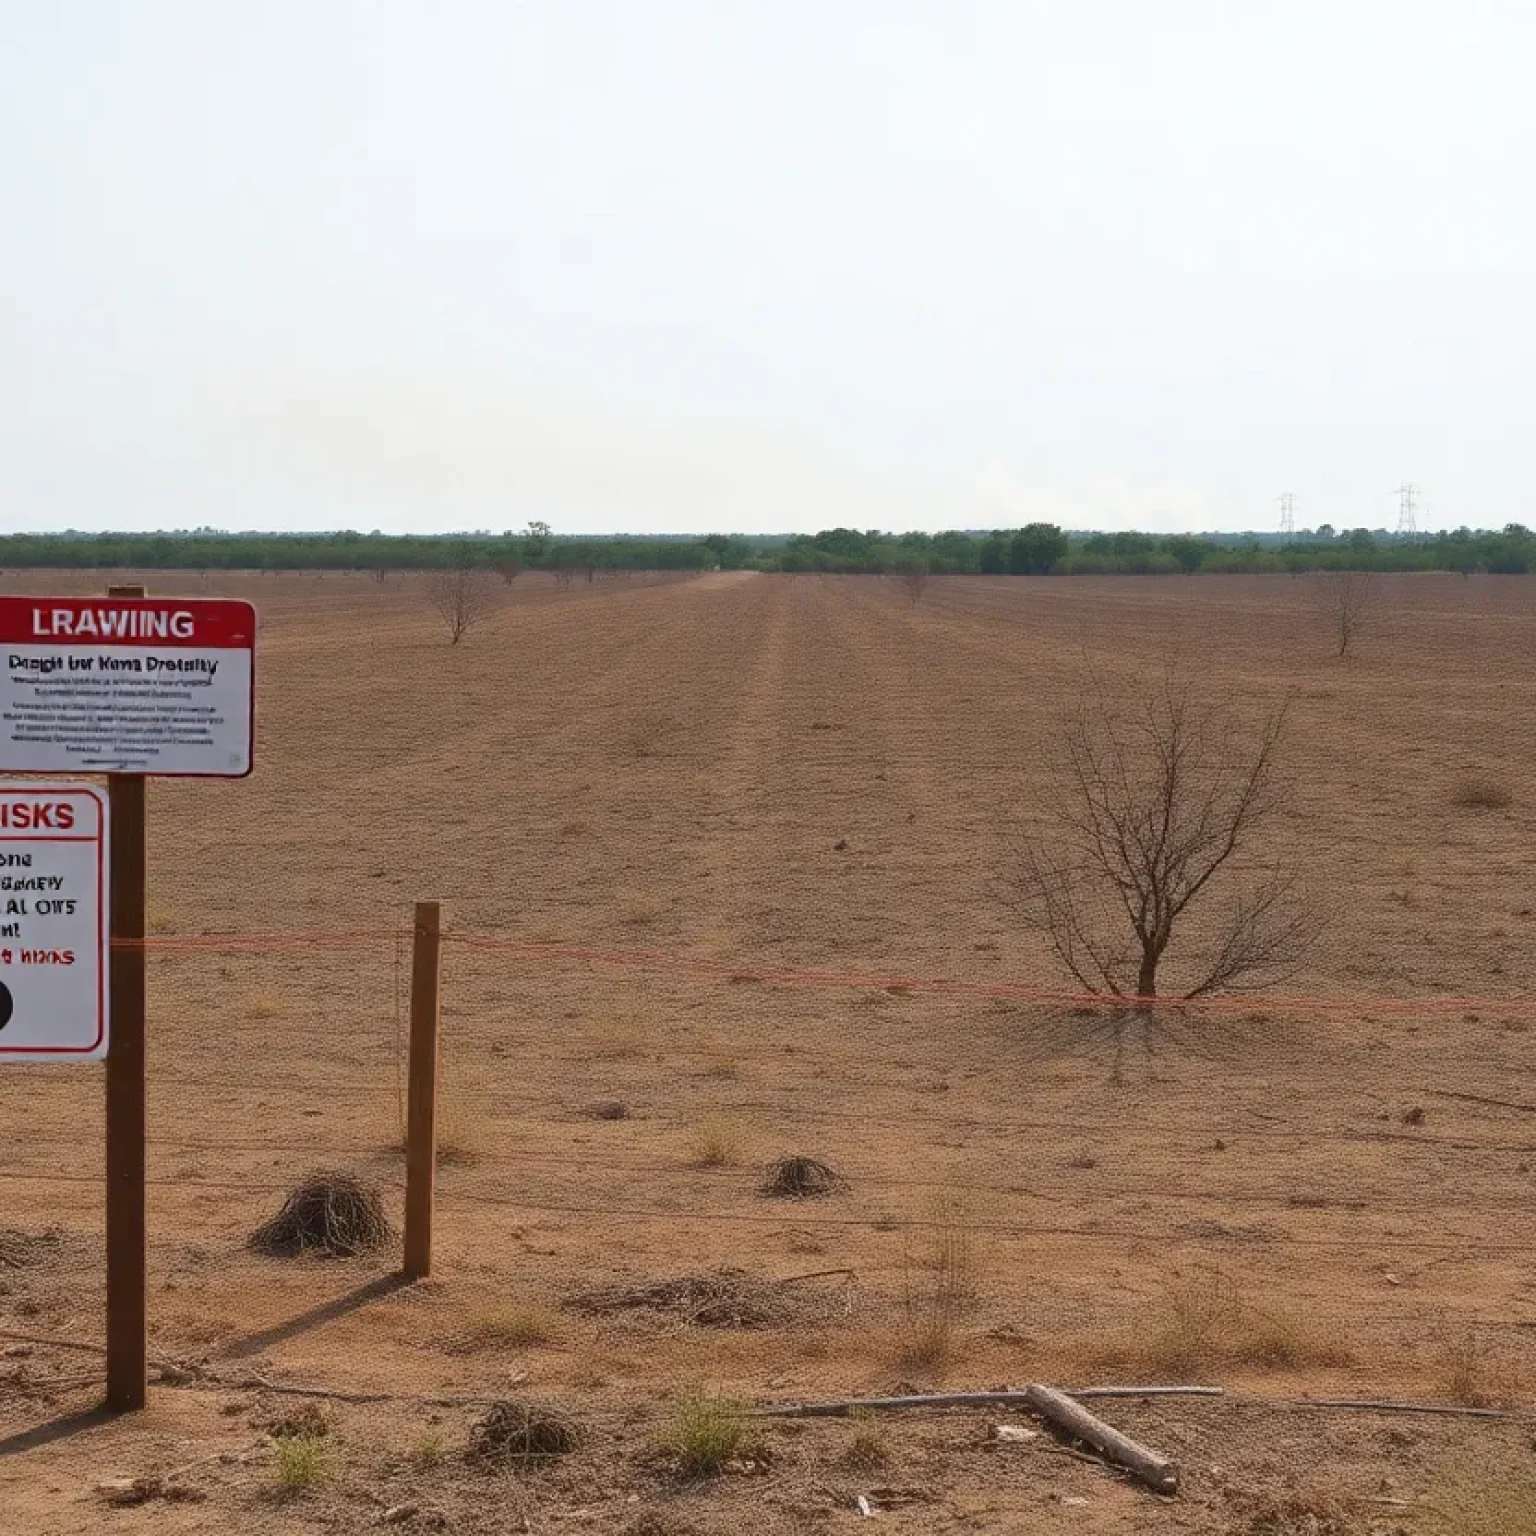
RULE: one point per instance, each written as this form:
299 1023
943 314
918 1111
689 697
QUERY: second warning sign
53 929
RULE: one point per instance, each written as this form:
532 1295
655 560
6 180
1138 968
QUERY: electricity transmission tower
1288 514
1407 518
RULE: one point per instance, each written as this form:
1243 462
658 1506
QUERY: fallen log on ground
1064 1413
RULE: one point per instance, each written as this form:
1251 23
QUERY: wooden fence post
421 1111
127 1280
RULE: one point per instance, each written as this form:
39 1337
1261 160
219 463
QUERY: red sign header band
203 623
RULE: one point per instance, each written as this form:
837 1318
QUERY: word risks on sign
53 923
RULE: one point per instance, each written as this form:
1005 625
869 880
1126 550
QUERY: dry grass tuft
704 1434
715 1143
868 1450
1468 1372
938 1288
520 1434
508 1327
1207 1323
1481 794
431 1449
334 1215
1283 1341
302 1463
801 1178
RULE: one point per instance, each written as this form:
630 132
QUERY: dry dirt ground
709 848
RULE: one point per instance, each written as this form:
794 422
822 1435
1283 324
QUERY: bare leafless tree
1146 855
461 597
914 580
509 568
1349 601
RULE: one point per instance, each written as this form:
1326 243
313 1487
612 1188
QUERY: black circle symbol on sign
7 1005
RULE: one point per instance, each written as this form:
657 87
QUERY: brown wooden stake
421 1110
127 1280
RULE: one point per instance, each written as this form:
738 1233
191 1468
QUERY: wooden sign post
127 1226
127 1241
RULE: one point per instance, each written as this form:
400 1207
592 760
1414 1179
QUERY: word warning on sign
54 943
127 685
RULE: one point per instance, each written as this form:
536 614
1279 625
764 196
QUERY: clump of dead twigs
518 1431
723 1298
801 1178
335 1215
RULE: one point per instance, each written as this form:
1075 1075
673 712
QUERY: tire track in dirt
718 857
638 787
572 786
810 764
931 836
602 795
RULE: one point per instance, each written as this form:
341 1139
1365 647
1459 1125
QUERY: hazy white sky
764 264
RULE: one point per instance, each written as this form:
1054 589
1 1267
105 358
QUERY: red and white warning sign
54 943
127 685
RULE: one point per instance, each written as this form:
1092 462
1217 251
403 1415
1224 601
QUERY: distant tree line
1038 549
1041 549
205 549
